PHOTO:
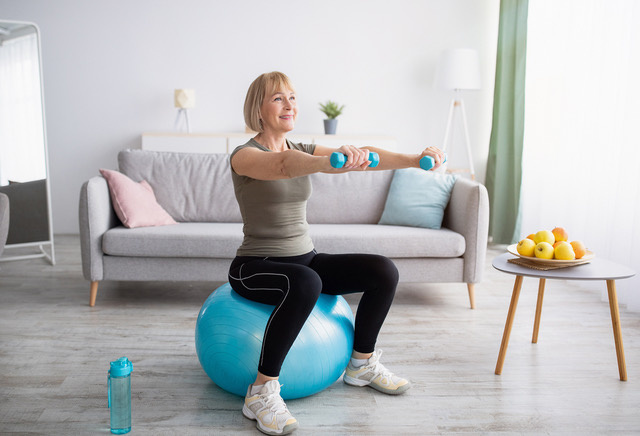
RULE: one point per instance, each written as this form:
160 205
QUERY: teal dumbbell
427 162
338 159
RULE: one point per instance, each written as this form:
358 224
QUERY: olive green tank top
274 212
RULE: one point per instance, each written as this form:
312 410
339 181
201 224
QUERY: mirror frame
40 245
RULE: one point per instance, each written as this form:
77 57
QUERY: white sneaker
268 409
374 374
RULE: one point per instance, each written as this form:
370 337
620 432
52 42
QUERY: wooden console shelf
226 142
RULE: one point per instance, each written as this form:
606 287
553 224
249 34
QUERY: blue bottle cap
121 367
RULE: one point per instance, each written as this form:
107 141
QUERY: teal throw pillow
417 198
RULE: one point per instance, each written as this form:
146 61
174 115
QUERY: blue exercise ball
229 333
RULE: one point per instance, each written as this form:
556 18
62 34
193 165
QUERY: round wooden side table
597 269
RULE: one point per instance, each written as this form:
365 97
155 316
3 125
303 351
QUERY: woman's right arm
263 165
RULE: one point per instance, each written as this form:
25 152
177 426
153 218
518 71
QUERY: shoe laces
380 369
275 403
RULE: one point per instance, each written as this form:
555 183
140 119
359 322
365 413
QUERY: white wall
111 67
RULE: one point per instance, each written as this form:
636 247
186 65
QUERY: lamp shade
184 98
458 69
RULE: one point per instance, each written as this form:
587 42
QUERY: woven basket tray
542 267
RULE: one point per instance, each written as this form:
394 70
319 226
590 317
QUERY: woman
277 264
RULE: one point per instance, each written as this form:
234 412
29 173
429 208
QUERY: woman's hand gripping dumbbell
427 162
338 159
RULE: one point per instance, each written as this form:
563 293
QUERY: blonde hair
267 83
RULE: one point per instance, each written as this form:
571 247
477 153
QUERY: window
581 158
21 124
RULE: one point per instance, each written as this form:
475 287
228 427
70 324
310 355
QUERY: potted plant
331 109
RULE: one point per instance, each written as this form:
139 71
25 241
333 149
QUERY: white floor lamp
184 99
458 69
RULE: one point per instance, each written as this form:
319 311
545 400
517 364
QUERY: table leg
617 331
536 324
507 327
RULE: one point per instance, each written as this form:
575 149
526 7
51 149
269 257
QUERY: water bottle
119 395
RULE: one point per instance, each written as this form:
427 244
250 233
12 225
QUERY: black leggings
293 285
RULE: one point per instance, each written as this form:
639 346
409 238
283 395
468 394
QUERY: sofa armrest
96 217
468 214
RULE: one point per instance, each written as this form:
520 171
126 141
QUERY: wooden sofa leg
472 295
93 294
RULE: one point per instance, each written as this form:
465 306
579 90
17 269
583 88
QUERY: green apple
544 250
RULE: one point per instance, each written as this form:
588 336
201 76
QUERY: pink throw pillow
135 203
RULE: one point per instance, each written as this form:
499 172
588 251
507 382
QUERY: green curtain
504 166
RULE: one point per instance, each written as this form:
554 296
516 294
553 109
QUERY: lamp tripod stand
183 99
457 105
182 112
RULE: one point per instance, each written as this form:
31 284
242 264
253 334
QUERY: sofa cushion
221 240
350 198
417 198
134 203
390 241
29 220
191 187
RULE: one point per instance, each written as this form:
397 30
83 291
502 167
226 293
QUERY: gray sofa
196 190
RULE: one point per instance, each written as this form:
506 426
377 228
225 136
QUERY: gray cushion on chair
4 220
30 220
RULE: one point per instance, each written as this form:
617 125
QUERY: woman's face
279 111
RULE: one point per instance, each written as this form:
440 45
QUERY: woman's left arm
389 160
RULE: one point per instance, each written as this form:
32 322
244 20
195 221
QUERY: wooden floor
55 351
